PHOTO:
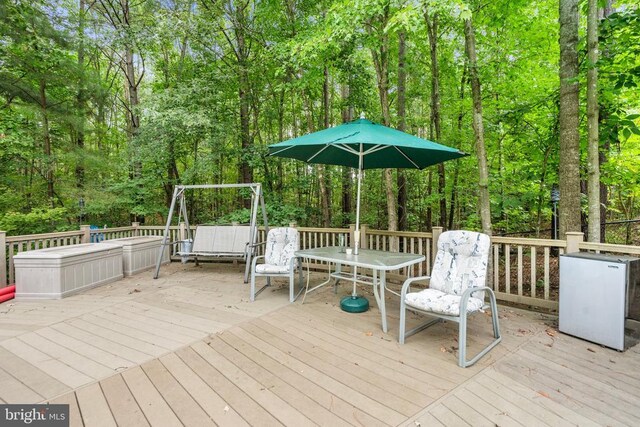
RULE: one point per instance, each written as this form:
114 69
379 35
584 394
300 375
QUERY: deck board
156 410
30 375
303 404
391 393
123 405
94 407
190 349
14 391
278 367
262 394
75 417
337 378
219 411
250 410
187 409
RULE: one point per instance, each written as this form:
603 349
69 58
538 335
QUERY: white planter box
140 253
55 273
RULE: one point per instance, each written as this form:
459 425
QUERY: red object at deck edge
7 297
8 290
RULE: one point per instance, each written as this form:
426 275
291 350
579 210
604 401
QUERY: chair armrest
254 261
255 245
464 298
407 284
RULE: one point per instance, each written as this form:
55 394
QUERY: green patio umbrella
363 144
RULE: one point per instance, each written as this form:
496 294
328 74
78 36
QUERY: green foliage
278 215
36 221
190 65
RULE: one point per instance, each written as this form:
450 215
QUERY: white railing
522 271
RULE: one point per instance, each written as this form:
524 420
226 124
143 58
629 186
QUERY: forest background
105 105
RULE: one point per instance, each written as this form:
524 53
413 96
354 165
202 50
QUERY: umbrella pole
354 303
357 230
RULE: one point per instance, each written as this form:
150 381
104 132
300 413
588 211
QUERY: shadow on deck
190 349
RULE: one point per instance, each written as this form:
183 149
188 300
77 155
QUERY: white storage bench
55 273
140 253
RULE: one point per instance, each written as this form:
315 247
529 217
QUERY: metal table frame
377 261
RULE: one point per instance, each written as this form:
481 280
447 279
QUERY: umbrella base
354 304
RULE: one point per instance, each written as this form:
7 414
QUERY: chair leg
403 318
253 288
291 286
462 351
462 341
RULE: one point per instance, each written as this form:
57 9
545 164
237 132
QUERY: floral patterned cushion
441 302
272 269
281 244
461 262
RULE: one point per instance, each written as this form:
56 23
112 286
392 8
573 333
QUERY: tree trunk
280 172
381 65
46 143
456 172
322 169
246 173
603 112
569 173
132 90
429 216
478 128
593 164
402 83
432 32
244 89
347 116
80 101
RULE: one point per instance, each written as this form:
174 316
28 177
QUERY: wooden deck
189 349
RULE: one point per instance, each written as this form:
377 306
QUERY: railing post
435 235
352 237
86 233
363 236
182 231
3 259
136 230
293 224
574 238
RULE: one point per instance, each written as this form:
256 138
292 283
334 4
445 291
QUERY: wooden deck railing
523 271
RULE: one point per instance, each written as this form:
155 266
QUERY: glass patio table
379 262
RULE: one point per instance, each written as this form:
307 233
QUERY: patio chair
456 289
279 260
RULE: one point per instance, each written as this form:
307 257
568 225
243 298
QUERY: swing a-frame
237 242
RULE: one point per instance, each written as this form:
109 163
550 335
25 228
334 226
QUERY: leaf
543 394
551 332
368 334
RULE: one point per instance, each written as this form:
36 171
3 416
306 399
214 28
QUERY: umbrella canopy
363 144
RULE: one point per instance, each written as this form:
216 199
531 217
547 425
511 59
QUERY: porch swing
235 241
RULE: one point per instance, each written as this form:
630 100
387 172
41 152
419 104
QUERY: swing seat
223 241
231 242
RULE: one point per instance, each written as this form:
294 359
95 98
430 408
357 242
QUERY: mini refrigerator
600 298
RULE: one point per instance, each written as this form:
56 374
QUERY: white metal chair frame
461 319
290 274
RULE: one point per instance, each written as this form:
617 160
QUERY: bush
34 222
